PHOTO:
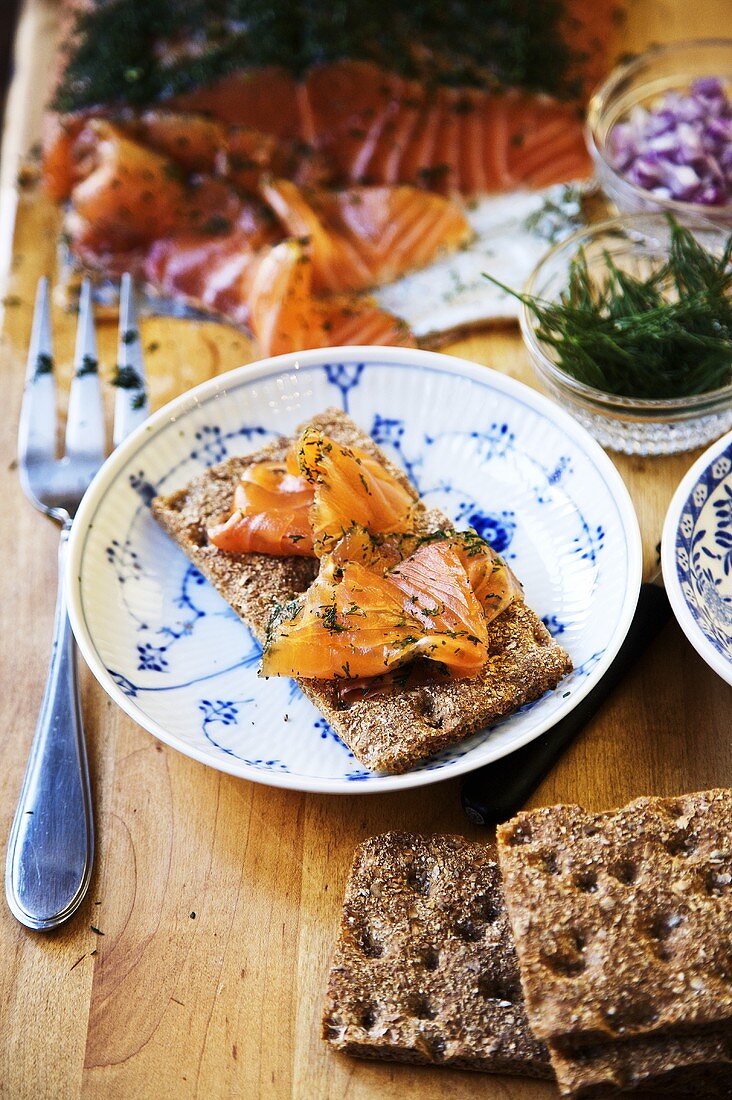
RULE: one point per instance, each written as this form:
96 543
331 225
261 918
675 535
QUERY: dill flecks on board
666 336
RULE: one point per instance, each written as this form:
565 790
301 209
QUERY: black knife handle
495 792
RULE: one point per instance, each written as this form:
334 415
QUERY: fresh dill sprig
665 336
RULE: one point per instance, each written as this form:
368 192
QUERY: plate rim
217 386
679 605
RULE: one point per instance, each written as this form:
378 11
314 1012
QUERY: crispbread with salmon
390 732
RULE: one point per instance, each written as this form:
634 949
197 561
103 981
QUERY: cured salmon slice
346 105
129 194
375 128
494 112
396 134
472 173
357 622
207 266
351 489
439 594
190 140
305 505
206 271
60 133
263 99
396 229
246 155
286 316
270 515
367 236
283 314
420 157
360 320
543 138
494 584
442 174
266 286
336 264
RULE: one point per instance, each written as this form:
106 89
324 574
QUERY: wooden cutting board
196 966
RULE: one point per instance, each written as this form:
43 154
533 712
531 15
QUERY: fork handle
51 847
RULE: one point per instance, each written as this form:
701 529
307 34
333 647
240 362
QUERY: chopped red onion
682 148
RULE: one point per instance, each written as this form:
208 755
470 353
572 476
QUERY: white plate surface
490 452
696 554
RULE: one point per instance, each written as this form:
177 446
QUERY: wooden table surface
197 964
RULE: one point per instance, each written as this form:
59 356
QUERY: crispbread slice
388 732
424 967
622 920
689 1065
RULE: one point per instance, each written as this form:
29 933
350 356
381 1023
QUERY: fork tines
37 428
85 434
85 431
131 405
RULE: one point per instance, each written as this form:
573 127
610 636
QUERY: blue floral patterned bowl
492 453
696 554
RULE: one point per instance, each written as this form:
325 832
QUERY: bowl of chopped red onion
660 131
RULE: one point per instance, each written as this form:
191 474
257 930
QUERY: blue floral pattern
187 649
704 553
497 528
345 376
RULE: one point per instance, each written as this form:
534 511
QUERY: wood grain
216 901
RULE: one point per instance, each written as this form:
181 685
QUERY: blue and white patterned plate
489 451
696 554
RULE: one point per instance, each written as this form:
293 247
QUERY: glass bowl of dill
628 324
659 130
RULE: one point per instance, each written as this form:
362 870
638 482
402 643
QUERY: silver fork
51 846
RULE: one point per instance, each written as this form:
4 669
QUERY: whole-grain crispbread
696 1064
622 920
388 732
424 968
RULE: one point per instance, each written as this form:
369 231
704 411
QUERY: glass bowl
642 82
637 243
